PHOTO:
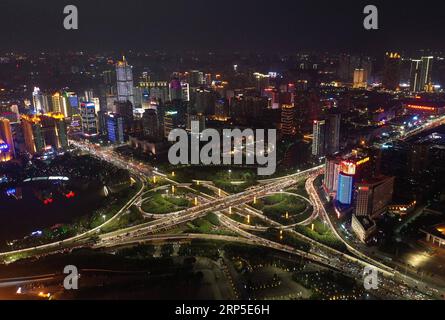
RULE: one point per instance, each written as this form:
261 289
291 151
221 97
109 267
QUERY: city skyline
233 151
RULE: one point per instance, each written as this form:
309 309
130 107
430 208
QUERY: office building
115 128
7 150
175 90
60 104
415 79
318 144
37 101
288 125
332 170
374 196
391 71
89 119
332 133
363 227
124 76
150 124
42 132
425 72
195 78
345 188
360 79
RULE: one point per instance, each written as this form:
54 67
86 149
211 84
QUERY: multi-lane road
352 263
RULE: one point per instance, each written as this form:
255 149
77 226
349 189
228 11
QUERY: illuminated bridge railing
51 178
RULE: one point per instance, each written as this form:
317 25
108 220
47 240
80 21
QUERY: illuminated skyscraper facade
7 151
44 131
124 76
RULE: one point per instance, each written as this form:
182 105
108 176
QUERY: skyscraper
360 79
318 144
373 196
332 170
44 131
332 133
124 76
150 124
115 128
425 72
89 118
175 90
391 72
415 80
288 126
196 78
344 189
7 151
37 101
60 104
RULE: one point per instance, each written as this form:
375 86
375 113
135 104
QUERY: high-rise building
288 125
345 188
196 78
425 72
332 133
205 102
175 90
363 227
44 131
415 80
185 87
150 124
348 64
125 109
7 150
360 79
221 109
318 144
373 196
332 170
391 72
159 90
60 104
89 119
124 76
115 128
37 101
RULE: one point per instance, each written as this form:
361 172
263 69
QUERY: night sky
224 25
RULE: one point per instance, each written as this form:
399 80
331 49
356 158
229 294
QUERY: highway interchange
391 282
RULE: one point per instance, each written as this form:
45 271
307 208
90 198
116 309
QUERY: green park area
209 225
163 203
284 208
230 179
321 232
155 182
